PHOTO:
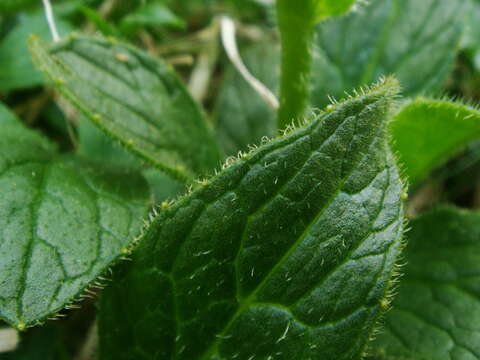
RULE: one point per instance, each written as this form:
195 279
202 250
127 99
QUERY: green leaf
16 68
242 116
351 52
6 116
155 14
286 254
328 8
135 99
95 145
414 40
64 222
426 133
436 315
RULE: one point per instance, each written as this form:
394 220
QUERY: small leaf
426 133
414 40
242 116
63 223
436 315
286 254
135 99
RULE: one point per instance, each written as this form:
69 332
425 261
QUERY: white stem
230 44
51 20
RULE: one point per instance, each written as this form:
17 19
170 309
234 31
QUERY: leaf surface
286 254
134 98
436 315
414 40
63 223
426 133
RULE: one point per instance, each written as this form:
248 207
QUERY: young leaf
242 117
135 99
286 254
414 40
436 315
426 133
63 223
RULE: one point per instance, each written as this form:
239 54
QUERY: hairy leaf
414 40
95 145
436 315
351 52
242 116
286 254
426 133
63 223
135 99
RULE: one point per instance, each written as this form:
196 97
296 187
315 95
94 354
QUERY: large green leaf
286 254
63 223
135 99
242 116
436 315
16 68
426 133
414 40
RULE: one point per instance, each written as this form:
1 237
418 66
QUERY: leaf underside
286 254
134 98
63 223
436 315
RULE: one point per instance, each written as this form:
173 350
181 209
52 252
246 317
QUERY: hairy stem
296 20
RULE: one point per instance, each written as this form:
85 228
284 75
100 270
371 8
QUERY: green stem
296 20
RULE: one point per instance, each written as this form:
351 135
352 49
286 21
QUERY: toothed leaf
426 133
285 254
134 98
436 315
63 222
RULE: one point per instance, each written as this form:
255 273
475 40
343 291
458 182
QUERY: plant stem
296 20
